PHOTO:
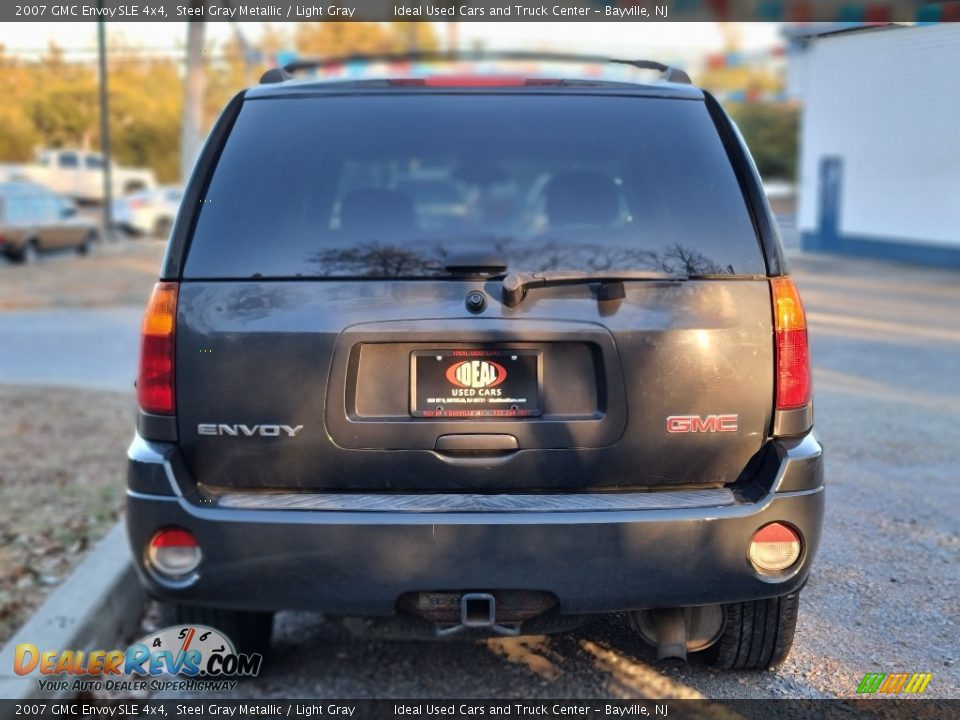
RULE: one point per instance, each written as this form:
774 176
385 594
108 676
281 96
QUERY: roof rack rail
276 75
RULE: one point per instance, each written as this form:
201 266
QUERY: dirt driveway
117 273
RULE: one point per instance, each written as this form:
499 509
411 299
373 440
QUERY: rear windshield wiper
516 285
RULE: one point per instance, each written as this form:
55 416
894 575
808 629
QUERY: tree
53 102
62 105
771 131
335 39
146 98
17 132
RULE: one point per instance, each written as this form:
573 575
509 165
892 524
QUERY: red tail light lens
174 553
155 380
793 351
774 548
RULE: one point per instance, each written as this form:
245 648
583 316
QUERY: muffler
677 631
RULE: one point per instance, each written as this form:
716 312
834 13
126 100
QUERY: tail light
155 390
792 349
774 548
174 553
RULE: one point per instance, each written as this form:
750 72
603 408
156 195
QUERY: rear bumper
353 562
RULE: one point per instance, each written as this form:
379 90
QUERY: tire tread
756 635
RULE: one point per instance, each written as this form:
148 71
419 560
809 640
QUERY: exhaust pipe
671 629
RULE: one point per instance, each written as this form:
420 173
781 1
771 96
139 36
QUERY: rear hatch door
323 343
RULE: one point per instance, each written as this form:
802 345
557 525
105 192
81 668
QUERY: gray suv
473 355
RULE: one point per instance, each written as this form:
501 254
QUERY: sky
661 40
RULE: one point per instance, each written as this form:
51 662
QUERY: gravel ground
884 592
61 486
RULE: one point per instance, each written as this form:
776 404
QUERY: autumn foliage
52 101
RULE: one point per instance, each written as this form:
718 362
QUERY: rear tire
29 253
84 247
250 632
756 635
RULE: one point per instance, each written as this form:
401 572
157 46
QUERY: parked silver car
148 212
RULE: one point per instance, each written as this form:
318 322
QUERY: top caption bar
852 11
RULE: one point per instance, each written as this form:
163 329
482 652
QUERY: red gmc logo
697 424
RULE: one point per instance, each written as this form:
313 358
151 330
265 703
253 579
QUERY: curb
95 607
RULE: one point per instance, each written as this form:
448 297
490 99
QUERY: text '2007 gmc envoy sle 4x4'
467 355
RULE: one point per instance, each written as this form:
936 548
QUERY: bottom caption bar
386 709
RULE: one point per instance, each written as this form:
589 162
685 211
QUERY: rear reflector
774 548
793 352
174 553
155 390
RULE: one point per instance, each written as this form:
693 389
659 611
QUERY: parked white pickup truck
78 174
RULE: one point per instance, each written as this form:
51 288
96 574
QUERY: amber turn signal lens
155 388
792 347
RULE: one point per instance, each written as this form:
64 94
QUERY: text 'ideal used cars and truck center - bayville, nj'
308 11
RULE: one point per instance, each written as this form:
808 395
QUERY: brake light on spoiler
155 389
792 348
465 81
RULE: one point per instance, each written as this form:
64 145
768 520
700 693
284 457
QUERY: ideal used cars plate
476 383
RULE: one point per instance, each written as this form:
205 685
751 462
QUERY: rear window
390 186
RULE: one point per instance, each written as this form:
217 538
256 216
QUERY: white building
880 141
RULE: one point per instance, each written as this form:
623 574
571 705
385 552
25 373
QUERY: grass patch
62 482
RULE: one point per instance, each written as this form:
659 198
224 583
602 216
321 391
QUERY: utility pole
250 56
105 129
453 36
191 131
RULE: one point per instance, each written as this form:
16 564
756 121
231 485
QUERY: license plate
476 383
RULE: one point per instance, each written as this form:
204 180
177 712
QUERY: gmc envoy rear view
479 355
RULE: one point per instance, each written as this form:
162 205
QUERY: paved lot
92 348
75 321
883 597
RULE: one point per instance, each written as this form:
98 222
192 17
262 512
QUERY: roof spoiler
277 75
